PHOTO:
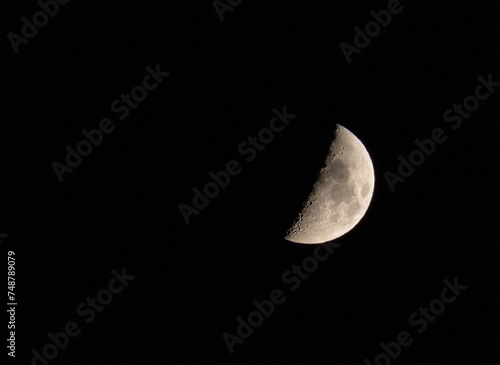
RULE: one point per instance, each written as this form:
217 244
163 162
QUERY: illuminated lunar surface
341 194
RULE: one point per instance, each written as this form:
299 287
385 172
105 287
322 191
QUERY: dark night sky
119 207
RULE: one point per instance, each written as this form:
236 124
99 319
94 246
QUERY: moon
341 194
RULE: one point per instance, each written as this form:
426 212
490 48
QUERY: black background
119 208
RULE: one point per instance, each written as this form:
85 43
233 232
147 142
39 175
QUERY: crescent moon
341 194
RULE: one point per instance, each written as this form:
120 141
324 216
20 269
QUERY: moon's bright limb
341 194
